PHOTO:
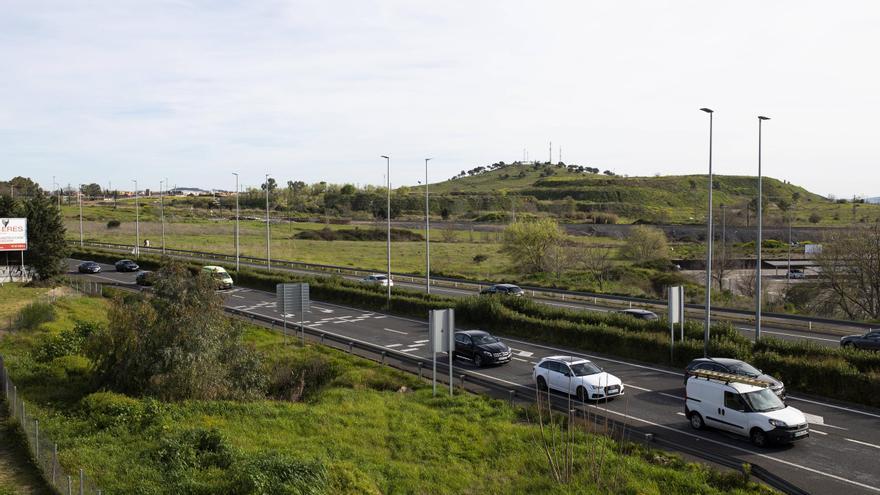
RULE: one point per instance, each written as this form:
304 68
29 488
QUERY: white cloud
103 91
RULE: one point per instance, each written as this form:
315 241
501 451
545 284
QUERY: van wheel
542 384
759 438
697 421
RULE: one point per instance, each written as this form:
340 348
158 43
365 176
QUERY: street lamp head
707 110
426 159
235 174
761 117
385 157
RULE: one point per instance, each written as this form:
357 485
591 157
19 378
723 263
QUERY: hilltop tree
850 270
46 246
91 190
527 242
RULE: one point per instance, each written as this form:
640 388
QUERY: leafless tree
849 267
595 260
558 258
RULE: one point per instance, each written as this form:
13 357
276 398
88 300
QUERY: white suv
577 376
743 406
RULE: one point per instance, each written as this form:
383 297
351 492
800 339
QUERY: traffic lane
642 406
108 273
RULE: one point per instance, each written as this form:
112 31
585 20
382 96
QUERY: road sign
13 234
676 315
441 329
292 298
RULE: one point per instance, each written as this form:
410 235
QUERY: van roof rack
727 377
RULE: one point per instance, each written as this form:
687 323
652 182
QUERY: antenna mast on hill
550 158
560 154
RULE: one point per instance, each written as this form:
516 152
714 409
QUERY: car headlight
776 422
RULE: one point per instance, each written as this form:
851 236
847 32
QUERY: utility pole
427 234
79 196
268 236
758 245
550 158
388 219
236 221
709 234
137 222
162 210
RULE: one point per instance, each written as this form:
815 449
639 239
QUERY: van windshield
763 401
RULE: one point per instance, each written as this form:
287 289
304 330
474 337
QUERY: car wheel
478 360
846 344
542 384
697 421
582 394
758 437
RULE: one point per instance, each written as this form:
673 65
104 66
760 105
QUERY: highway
839 457
786 331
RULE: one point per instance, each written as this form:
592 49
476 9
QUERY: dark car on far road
88 267
481 348
735 367
145 278
869 341
641 314
503 289
127 266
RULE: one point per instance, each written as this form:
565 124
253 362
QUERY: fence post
420 370
14 398
54 462
383 357
37 440
462 381
322 338
512 395
350 347
81 479
69 485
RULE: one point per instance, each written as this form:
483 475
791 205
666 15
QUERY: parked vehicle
88 267
735 367
503 289
126 266
796 273
481 348
576 376
641 314
145 278
744 406
220 275
870 340
377 279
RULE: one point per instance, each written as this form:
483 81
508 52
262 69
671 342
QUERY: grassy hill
573 194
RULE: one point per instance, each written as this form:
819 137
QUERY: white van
743 406
221 277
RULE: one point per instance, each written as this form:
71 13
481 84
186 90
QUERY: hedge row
843 374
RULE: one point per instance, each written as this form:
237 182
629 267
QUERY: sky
112 91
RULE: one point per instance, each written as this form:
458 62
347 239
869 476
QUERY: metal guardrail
476 383
541 292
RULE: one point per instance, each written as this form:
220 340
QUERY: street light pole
162 210
236 221
79 196
709 234
137 222
758 245
427 234
388 219
788 273
268 237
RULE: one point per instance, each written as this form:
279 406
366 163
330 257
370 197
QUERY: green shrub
302 378
276 473
109 409
67 342
113 224
34 315
197 448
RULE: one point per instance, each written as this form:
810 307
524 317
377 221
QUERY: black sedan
503 289
88 267
870 341
481 348
127 266
735 367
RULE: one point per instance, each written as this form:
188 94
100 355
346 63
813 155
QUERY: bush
480 258
108 409
34 315
302 378
276 473
67 342
197 448
815 218
113 224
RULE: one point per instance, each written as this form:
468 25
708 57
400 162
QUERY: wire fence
43 449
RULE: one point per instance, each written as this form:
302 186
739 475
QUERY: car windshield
514 289
744 369
584 369
381 277
763 400
484 339
219 275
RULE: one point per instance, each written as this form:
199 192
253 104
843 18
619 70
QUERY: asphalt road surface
839 457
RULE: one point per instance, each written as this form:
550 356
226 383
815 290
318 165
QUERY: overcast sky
98 91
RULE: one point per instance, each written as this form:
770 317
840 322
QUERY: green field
359 433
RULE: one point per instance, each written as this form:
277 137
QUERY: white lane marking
630 385
680 413
677 397
617 361
862 443
789 334
519 359
817 431
236 295
414 346
410 349
395 331
393 345
421 341
847 409
523 353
